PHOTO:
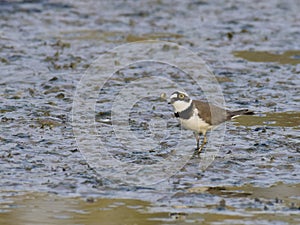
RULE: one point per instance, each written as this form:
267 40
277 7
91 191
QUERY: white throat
180 106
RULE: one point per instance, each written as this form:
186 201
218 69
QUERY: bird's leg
203 143
197 136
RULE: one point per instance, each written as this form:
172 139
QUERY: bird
200 116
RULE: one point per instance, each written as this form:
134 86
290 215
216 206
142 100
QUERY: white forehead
173 95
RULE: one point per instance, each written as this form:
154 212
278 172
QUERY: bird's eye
181 96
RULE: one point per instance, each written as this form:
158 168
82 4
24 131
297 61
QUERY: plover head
180 101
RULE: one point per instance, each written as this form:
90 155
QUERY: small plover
200 116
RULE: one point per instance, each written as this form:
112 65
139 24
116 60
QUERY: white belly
195 124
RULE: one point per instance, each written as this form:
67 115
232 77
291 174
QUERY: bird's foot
197 151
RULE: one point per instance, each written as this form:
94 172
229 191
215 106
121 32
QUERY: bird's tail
232 114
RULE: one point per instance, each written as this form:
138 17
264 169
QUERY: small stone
90 200
229 35
53 79
60 96
222 203
163 96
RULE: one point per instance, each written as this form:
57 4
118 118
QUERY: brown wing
211 114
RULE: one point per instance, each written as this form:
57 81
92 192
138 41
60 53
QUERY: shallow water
253 177
259 206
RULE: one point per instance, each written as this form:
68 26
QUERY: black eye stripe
184 97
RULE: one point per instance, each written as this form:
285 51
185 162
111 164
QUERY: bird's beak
171 101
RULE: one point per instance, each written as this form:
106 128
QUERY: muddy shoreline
47 46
